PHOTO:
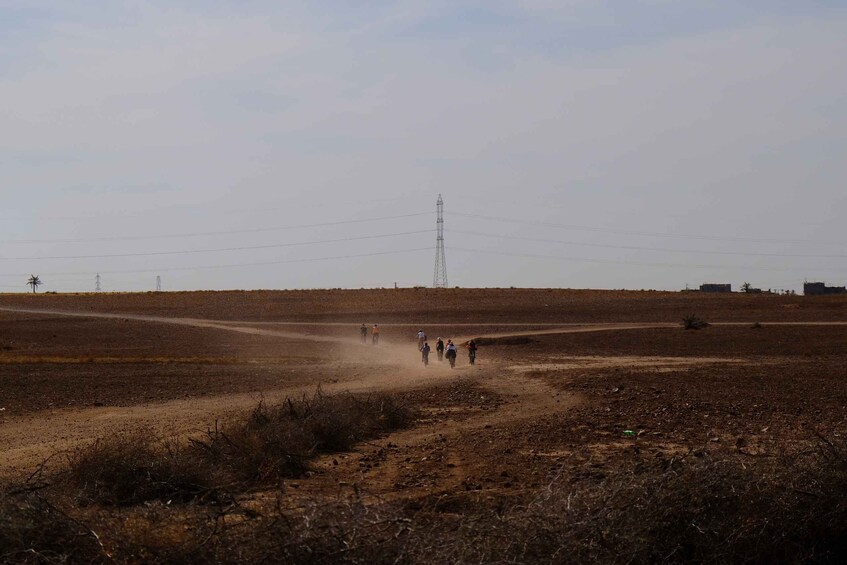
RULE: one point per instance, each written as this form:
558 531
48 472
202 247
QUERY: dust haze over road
27 441
390 366
394 365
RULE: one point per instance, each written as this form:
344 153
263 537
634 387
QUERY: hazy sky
633 143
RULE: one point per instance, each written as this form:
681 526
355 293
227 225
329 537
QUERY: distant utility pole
439 279
158 283
97 287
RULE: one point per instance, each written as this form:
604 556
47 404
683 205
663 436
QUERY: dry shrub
696 509
704 510
692 322
699 509
320 532
131 468
32 530
259 448
271 442
278 441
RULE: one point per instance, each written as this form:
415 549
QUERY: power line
193 251
640 233
637 263
236 265
207 205
640 248
204 234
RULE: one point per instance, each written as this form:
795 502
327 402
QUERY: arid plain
592 427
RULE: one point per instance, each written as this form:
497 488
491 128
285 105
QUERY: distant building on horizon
714 287
819 288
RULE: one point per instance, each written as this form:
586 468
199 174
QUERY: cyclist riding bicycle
450 352
472 351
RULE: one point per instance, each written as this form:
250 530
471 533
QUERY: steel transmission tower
158 283
439 279
97 283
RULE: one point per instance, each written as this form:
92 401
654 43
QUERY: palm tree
34 282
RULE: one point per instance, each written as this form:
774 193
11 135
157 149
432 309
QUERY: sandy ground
31 438
549 388
34 437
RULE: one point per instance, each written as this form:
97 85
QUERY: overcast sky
630 144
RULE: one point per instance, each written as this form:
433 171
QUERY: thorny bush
271 442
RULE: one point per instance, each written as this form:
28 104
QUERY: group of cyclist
443 350
374 331
448 350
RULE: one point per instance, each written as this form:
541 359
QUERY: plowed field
569 386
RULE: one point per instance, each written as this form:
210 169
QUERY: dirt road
250 327
30 439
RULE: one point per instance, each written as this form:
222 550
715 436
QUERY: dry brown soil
561 375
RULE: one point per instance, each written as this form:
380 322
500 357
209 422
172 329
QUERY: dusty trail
192 322
523 399
249 327
28 440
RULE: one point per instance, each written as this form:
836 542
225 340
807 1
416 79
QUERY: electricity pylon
439 279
